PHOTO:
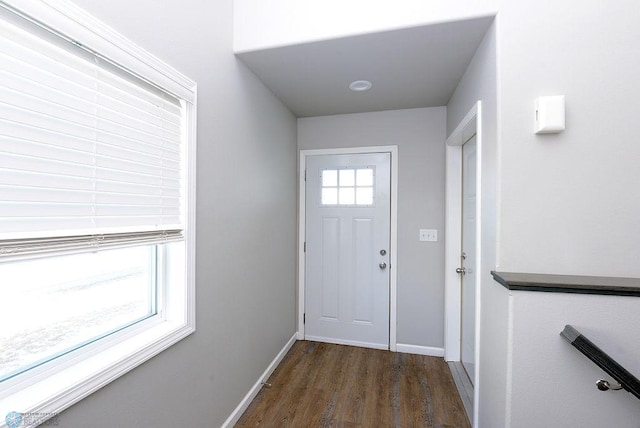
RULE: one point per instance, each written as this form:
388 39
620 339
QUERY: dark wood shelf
577 284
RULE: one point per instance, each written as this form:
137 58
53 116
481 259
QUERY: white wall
554 385
479 84
261 24
569 202
419 135
246 204
564 204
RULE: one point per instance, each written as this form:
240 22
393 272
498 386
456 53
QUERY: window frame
60 383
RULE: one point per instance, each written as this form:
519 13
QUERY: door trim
471 124
393 250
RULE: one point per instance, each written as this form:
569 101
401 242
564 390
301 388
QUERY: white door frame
393 250
471 124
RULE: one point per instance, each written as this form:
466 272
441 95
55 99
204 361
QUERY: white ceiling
409 68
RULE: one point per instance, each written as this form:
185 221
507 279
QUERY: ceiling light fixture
360 85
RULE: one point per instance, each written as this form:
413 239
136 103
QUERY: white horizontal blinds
84 148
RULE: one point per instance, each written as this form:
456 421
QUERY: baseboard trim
240 409
420 350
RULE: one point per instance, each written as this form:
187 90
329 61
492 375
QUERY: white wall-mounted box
550 115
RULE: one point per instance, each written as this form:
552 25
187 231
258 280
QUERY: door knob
461 270
383 265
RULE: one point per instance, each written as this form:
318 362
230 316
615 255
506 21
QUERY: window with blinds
97 204
90 154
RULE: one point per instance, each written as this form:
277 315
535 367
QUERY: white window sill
63 388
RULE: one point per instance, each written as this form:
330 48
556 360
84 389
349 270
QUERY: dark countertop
603 285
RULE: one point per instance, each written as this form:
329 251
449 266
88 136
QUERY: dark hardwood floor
324 385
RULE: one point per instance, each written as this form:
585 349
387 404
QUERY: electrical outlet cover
429 235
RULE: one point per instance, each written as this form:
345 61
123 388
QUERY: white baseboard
420 350
237 413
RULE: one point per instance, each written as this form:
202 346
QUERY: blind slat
56 209
96 168
15 146
32 179
12 129
35 194
25 109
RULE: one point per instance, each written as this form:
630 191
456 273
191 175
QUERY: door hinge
304 318
305 247
305 175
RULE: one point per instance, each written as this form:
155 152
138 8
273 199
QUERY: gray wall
419 135
574 400
479 83
566 202
569 202
246 202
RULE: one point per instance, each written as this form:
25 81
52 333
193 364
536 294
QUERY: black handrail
629 382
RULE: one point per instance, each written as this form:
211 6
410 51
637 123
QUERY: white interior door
469 280
347 249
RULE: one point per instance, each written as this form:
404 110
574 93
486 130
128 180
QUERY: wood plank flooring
325 385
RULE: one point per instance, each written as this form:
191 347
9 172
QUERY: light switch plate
428 235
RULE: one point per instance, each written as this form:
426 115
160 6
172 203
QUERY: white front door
347 249
469 158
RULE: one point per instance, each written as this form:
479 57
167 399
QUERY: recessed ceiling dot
360 85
